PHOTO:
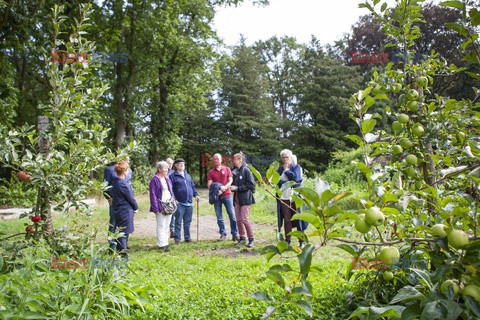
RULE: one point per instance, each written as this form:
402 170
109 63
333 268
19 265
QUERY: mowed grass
214 280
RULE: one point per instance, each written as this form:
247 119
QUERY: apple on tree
457 239
361 225
374 216
438 230
388 255
472 291
388 275
411 159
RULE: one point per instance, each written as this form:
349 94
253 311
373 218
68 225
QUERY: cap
179 160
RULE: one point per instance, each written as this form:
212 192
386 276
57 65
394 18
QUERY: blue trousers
228 202
183 213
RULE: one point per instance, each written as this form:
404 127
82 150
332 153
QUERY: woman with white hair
161 195
286 208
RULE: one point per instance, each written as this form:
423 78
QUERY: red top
221 176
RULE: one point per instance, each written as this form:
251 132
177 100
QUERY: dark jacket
213 192
156 193
109 174
243 180
124 204
183 187
293 174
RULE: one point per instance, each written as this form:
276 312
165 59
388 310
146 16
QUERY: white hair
286 152
162 164
219 155
294 159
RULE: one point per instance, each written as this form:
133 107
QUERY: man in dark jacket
184 191
243 187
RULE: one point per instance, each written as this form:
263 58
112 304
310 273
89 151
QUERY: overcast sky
327 20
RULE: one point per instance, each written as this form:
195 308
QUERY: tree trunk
44 193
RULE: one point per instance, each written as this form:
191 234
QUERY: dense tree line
174 91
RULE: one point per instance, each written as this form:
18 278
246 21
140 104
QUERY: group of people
172 192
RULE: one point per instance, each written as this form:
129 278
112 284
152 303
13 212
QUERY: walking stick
198 217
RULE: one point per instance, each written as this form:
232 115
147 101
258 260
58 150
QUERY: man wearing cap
184 190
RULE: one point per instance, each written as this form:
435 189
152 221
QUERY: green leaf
432 310
453 4
457 27
332 210
424 277
260 295
256 173
308 216
305 305
473 305
384 7
349 248
282 246
391 311
356 139
301 290
413 311
474 75
310 194
407 293
298 201
276 277
327 195
390 197
472 57
381 96
359 311
369 101
474 16
287 185
281 268
391 210
305 260
368 125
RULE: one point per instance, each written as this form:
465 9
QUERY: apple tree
423 197
423 189
59 157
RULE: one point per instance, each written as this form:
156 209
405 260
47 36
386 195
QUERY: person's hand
110 201
286 166
197 198
223 188
135 211
233 188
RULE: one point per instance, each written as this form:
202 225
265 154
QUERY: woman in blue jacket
124 205
286 208
184 191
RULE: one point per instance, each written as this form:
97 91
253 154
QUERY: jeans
112 227
218 211
172 223
184 213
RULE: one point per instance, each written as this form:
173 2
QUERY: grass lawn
210 279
